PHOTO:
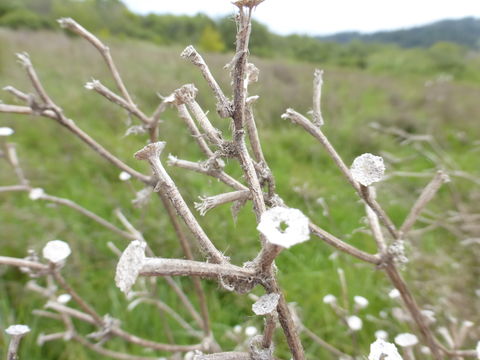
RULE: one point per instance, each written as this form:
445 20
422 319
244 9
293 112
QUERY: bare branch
167 186
177 267
223 105
72 25
427 194
317 97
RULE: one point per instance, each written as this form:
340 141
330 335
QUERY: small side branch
317 97
427 194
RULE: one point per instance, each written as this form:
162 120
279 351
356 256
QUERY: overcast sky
324 16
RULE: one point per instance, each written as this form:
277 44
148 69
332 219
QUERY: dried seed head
367 169
64 298
382 350
360 302
24 59
248 3
129 265
329 299
394 294
67 23
56 251
17 330
296 223
152 150
186 94
93 85
36 193
6 131
381 334
354 323
406 340
266 304
124 176
251 330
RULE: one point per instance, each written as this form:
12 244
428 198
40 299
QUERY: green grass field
443 274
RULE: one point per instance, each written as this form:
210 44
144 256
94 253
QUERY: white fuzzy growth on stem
406 340
56 251
6 131
17 330
297 230
382 350
266 304
129 265
367 169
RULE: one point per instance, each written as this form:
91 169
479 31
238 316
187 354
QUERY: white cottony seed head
367 169
56 251
266 304
64 298
360 302
124 176
296 223
406 340
382 350
6 131
394 294
36 193
354 323
17 330
381 334
129 265
251 330
329 299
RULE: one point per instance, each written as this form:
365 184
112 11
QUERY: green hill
465 32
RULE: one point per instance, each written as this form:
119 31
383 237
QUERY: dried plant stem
412 306
5 260
104 50
105 352
167 310
286 322
12 188
184 299
12 353
324 344
269 330
313 130
121 333
82 303
220 175
185 244
177 267
13 160
72 205
167 186
343 246
192 127
317 97
223 106
225 356
427 194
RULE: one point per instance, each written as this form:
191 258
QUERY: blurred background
410 95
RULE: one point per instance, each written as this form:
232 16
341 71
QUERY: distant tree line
382 53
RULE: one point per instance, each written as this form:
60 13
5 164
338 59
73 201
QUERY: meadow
364 111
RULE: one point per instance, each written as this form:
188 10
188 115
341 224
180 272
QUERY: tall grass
352 99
